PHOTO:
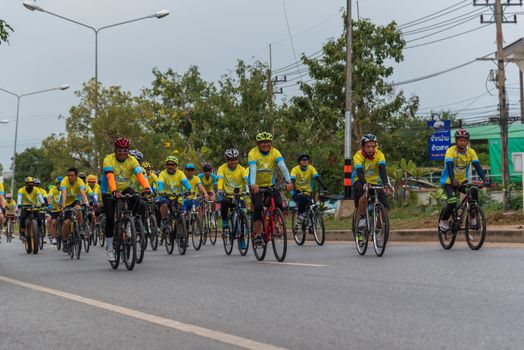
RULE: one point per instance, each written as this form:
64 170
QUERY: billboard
440 140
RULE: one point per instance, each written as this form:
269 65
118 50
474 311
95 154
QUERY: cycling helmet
190 166
122 143
302 156
91 178
37 181
172 159
82 175
59 179
462 133
231 153
368 138
264 136
29 179
146 165
206 166
137 154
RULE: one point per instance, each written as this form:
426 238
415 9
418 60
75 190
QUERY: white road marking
292 264
240 342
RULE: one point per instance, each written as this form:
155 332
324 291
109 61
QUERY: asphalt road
417 296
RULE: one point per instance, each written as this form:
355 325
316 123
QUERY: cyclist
369 165
2 205
27 195
95 200
263 161
231 176
170 182
151 176
53 204
457 161
73 191
119 168
195 183
38 186
10 208
210 182
302 176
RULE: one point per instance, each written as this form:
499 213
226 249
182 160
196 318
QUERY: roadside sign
440 140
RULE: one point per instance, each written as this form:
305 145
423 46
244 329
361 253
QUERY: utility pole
348 105
271 91
499 18
521 80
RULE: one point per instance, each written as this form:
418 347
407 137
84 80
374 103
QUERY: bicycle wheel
196 232
259 247
153 232
78 242
181 234
141 240
129 251
475 234
9 235
319 231
35 239
446 238
41 237
102 238
95 234
213 228
117 249
28 244
243 233
300 234
361 237
168 236
380 229
58 241
87 237
227 238
205 227
279 236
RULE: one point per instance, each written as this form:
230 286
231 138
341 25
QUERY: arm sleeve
40 198
479 170
361 175
252 172
186 184
283 169
320 181
142 180
449 167
19 199
111 181
220 180
383 174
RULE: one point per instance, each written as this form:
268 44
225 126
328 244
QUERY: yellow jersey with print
43 192
29 198
266 164
2 191
229 179
210 182
370 166
172 183
461 162
304 178
10 207
123 171
194 182
95 191
53 197
153 179
72 190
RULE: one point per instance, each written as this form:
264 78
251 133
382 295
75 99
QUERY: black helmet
302 156
368 138
206 166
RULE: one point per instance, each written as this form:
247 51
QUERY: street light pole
19 97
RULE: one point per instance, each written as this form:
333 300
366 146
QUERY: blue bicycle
238 226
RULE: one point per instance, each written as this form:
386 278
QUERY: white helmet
231 153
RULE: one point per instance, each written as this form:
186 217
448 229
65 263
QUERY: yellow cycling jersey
43 192
72 190
370 166
2 191
229 179
461 163
153 179
172 184
95 191
10 207
209 183
266 164
123 171
53 198
29 198
194 182
304 178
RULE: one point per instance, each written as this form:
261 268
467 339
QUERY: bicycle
86 228
273 228
42 227
73 245
31 242
175 228
10 227
209 223
313 223
124 237
238 225
100 229
475 234
152 229
377 224
194 224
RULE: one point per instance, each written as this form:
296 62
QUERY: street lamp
33 7
5 121
61 87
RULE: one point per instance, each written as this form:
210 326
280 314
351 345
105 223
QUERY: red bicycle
274 228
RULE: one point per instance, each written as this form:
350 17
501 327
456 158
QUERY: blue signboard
440 141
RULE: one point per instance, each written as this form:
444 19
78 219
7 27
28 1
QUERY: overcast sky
46 51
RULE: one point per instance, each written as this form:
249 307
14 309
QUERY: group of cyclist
124 172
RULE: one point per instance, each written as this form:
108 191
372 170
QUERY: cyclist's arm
186 184
320 181
202 189
110 176
283 169
220 184
252 172
215 182
141 178
361 176
480 171
63 197
449 168
19 199
83 195
40 198
383 174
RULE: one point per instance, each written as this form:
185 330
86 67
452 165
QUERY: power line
290 35
428 18
449 22
446 38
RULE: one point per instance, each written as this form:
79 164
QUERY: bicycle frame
372 195
268 220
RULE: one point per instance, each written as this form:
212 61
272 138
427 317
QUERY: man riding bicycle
209 181
457 160
9 209
369 165
28 195
119 168
263 161
231 176
196 186
53 204
302 176
73 191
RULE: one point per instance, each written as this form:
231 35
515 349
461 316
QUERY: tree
33 162
4 31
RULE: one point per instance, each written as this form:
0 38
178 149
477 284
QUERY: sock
109 243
